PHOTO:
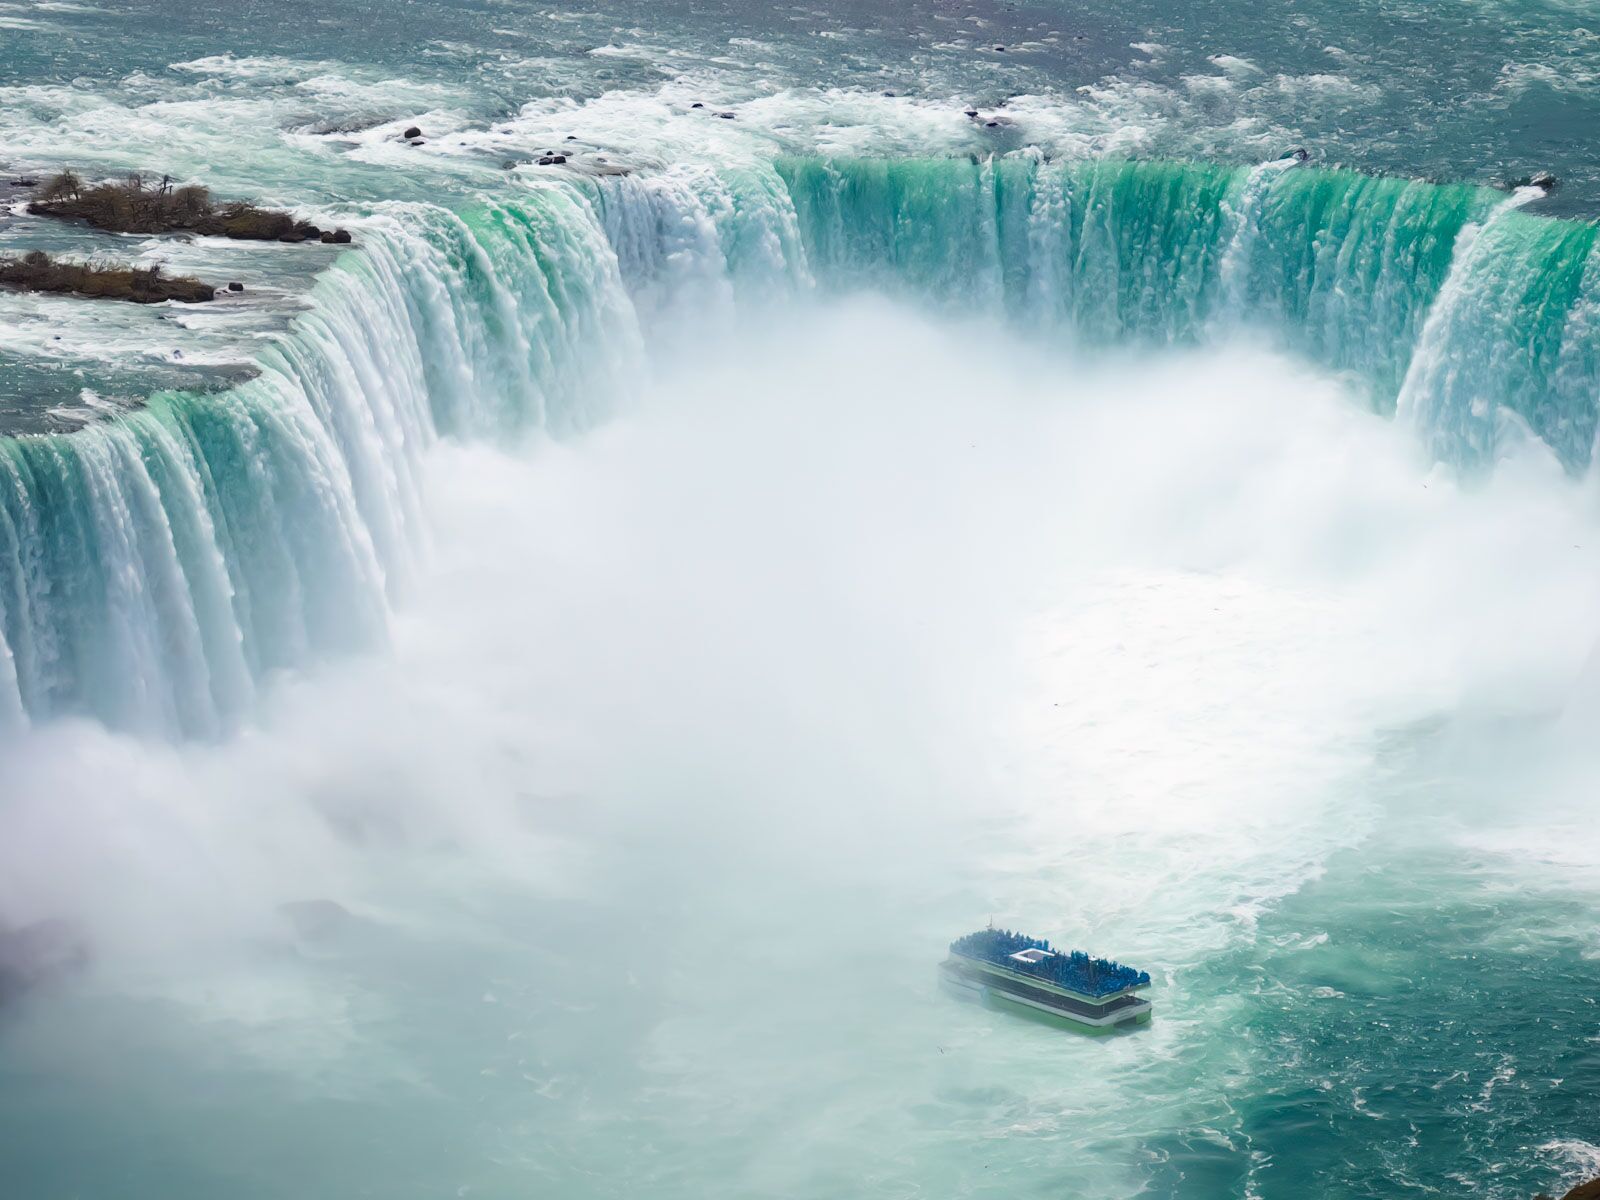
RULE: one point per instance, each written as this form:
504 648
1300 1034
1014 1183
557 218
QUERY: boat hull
970 982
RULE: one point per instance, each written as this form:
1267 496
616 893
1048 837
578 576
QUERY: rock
1584 1191
411 132
558 159
1543 180
23 181
36 954
416 142
327 238
726 116
546 160
572 137
236 286
972 114
1000 49
341 237
697 104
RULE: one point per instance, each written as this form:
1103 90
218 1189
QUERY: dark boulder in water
1543 180
31 955
236 286
411 132
726 116
1584 1191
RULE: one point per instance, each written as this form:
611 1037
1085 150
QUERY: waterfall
154 569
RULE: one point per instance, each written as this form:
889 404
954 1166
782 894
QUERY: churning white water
625 871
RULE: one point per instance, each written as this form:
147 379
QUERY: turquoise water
649 606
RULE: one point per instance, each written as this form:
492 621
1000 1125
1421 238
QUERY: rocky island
134 205
36 271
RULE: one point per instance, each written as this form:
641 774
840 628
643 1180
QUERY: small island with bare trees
134 205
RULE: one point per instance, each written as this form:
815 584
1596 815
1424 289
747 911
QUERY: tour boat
1020 973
